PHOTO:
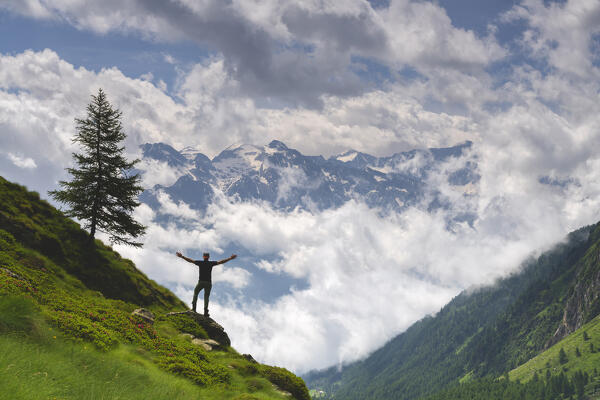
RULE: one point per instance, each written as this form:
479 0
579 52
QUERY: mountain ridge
286 179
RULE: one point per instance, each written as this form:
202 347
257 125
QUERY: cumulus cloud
295 52
422 34
158 173
180 209
42 95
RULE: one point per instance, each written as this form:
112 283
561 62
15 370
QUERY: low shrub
200 372
255 384
185 324
285 380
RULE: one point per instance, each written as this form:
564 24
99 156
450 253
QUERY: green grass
57 368
40 359
31 370
66 329
549 359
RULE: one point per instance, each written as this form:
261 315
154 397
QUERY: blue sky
130 53
518 78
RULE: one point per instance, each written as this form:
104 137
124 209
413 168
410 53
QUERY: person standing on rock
204 280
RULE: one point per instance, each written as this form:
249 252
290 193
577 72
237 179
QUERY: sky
520 79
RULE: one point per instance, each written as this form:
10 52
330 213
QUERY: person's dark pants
202 285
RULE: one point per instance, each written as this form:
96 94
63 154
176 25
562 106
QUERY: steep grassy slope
481 334
66 328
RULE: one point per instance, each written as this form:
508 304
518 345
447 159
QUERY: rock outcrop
144 314
583 303
207 344
215 331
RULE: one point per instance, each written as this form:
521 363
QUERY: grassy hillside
482 334
581 353
67 332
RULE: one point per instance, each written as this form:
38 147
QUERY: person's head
205 256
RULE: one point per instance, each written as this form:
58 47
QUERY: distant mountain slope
287 179
549 375
484 333
67 304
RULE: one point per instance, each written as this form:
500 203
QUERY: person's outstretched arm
178 254
226 259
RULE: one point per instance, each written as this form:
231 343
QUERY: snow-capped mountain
287 179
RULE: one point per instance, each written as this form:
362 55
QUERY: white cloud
290 178
158 173
169 59
561 33
147 76
179 209
22 162
265 45
422 34
46 95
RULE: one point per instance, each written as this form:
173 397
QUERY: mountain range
286 179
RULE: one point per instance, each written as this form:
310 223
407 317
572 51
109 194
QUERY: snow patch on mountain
346 157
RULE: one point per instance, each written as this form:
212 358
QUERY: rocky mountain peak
277 145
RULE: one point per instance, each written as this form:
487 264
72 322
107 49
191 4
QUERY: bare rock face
215 331
145 314
250 358
584 302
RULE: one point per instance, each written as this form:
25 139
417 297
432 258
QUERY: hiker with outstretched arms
204 280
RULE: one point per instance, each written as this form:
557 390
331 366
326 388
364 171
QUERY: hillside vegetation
569 369
67 329
484 333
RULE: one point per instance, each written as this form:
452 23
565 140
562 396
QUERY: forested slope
483 333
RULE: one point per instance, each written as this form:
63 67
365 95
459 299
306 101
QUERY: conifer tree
562 356
103 191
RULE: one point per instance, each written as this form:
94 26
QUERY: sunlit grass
43 364
587 361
